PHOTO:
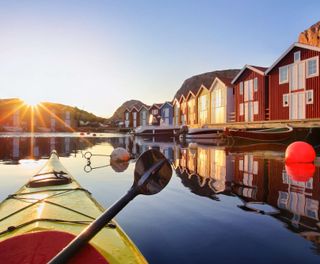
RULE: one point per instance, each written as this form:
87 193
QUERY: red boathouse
295 84
251 94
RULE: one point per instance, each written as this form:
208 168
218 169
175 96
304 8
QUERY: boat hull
64 208
156 131
266 135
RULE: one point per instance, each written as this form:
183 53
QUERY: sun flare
31 102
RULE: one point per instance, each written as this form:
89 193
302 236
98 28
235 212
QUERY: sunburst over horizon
31 102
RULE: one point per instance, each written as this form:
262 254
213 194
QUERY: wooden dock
305 123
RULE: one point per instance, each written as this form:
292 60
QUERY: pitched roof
157 105
167 102
226 81
194 83
296 44
257 69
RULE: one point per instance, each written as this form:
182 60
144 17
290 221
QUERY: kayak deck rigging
62 210
34 201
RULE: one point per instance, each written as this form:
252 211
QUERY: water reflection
254 176
256 180
14 149
263 180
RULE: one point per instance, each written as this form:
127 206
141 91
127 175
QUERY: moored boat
48 212
279 134
12 129
207 136
154 131
204 133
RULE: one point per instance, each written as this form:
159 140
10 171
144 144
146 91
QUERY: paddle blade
152 172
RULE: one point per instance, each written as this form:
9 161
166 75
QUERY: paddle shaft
84 237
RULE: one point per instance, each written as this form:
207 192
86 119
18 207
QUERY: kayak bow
48 212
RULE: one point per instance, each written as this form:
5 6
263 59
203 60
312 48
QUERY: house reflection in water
15 148
298 201
255 179
205 171
250 177
138 145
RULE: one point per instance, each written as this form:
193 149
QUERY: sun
31 102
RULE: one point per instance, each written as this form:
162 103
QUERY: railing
232 117
267 114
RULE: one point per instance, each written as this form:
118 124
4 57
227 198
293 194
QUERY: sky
97 54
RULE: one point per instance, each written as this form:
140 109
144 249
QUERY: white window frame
255 84
255 107
127 116
287 77
317 67
241 109
241 88
154 111
297 56
285 100
309 93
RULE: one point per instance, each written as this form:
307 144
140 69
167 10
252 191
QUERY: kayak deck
62 207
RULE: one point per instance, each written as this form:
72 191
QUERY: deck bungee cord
52 210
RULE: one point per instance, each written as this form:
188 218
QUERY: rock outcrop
118 114
193 83
311 36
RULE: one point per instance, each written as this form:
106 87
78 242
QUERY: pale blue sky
98 54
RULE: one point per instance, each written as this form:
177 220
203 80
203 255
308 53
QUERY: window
296 56
134 115
309 97
283 74
255 84
218 97
127 116
241 88
203 103
246 90
166 112
255 107
312 67
285 102
241 109
154 111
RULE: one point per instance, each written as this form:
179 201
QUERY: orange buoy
300 152
301 172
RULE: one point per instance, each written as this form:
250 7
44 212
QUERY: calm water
222 205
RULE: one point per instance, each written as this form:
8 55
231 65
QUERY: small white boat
204 133
153 131
12 129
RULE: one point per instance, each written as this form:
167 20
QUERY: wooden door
297 106
248 111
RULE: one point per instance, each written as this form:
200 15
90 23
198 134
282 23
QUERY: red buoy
301 172
300 152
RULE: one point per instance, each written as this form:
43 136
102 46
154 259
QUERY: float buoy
193 145
119 166
300 152
300 172
120 154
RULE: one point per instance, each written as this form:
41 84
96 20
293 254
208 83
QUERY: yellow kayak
48 212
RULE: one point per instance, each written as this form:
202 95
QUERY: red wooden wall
277 111
261 95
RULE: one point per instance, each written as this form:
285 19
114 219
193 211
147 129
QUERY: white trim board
296 44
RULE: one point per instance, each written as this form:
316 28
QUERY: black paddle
152 173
